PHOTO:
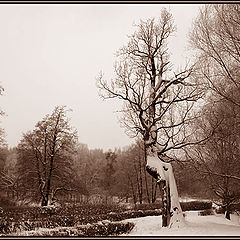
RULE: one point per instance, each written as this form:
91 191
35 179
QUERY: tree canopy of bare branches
216 38
44 156
217 159
157 100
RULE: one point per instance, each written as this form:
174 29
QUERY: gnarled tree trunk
172 213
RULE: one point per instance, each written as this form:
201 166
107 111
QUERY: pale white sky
51 54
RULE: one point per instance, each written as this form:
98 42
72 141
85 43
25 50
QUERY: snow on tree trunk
164 172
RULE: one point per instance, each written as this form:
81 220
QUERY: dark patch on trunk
153 172
165 168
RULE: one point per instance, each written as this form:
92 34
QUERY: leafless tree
217 160
157 102
215 37
44 156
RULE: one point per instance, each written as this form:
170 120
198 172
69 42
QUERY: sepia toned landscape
120 120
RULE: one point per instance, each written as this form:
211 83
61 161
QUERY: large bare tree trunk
140 180
172 213
165 203
145 174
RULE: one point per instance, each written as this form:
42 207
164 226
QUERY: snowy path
213 225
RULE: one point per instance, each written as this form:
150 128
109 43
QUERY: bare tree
7 181
8 174
216 38
217 160
45 156
157 102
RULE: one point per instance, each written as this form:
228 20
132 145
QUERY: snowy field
212 225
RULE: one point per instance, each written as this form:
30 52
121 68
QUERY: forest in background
93 176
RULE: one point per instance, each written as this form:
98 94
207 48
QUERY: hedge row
7 227
103 228
195 205
29 219
186 206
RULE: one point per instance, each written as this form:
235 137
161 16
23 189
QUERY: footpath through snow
213 225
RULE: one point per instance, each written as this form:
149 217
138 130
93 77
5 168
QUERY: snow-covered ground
212 225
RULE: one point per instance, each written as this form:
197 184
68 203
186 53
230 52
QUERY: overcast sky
51 54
